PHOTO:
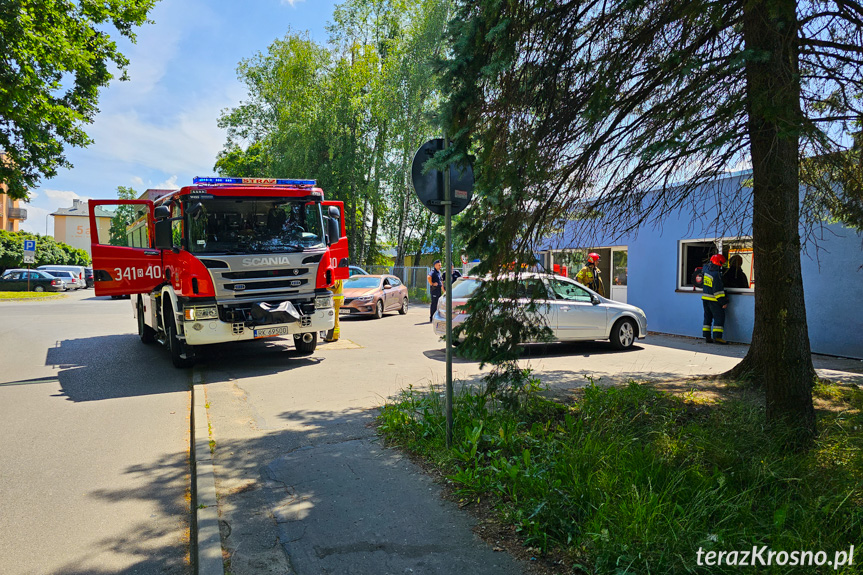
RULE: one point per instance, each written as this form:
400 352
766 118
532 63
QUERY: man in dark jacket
714 301
435 281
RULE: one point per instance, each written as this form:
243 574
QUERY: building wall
75 230
832 268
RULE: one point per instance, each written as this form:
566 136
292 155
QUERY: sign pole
448 283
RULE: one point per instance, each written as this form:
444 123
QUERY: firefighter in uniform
714 301
338 299
589 274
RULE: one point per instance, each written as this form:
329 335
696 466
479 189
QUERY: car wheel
39 289
306 348
404 309
145 332
623 333
379 310
178 348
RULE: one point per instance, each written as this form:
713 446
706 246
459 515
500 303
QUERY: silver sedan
572 311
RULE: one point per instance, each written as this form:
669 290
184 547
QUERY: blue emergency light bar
254 181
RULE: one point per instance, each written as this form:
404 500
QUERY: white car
68 278
572 311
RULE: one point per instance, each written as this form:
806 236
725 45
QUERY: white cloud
64 196
137 181
188 142
291 2
169 184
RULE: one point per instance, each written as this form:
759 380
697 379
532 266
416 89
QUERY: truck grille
234 281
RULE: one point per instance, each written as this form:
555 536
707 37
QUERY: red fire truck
227 259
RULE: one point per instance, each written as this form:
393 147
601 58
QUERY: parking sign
29 251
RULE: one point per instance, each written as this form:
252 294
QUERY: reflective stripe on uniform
708 297
719 329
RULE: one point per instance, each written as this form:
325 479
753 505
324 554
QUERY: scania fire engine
227 259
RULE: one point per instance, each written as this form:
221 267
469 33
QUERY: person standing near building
714 301
435 280
734 277
589 274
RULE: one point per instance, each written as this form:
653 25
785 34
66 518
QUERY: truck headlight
323 301
197 313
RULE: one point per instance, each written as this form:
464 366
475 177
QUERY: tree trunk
373 237
779 357
361 254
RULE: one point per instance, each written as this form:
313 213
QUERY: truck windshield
255 225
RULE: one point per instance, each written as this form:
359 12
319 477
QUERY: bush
48 251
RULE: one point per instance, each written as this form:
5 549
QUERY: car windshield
255 225
362 282
464 287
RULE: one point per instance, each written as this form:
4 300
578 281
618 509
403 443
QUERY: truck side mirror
161 213
334 213
196 211
334 230
164 239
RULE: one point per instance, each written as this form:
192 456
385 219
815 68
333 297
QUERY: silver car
572 311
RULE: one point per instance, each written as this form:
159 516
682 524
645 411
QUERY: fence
413 277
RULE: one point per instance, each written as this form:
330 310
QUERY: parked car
68 278
76 271
572 311
357 271
88 277
40 281
374 295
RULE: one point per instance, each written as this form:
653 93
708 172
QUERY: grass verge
637 480
25 295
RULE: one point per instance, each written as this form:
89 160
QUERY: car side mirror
594 300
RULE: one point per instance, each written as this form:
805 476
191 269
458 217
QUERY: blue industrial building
653 270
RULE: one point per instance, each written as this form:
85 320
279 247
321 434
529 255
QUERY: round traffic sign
429 186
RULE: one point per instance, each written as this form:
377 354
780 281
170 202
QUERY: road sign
429 186
29 251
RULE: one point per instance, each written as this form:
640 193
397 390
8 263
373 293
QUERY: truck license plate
271 331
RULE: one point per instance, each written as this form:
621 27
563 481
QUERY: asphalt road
94 443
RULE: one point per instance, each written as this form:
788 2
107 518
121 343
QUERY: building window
738 274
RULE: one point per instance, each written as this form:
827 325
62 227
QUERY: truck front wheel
178 348
306 347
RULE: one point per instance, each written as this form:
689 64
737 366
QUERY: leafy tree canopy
54 57
48 251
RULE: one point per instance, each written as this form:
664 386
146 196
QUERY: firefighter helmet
592 257
718 260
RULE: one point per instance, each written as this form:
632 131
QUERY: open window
738 273
124 261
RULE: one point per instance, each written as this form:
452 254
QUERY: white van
77 271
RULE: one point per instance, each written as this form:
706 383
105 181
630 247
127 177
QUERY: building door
618 278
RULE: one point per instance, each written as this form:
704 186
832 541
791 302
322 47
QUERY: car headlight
364 298
197 313
323 301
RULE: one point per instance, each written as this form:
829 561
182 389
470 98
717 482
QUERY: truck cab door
133 268
339 254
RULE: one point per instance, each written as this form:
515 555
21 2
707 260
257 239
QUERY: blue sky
159 130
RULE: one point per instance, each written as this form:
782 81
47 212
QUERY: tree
48 251
54 57
592 110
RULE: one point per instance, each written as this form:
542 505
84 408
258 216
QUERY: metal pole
448 284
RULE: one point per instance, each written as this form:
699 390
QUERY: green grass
29 295
634 480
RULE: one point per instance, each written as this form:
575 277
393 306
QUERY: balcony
17 214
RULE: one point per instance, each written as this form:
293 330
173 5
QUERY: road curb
207 536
